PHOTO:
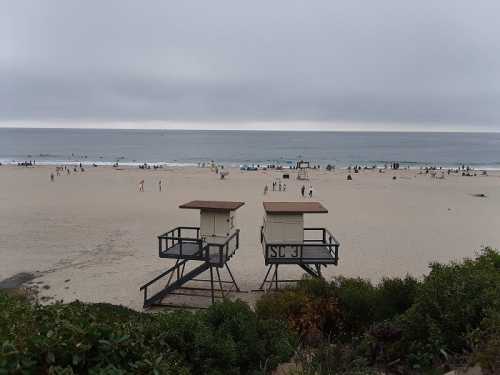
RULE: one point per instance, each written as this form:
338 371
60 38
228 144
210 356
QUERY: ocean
189 147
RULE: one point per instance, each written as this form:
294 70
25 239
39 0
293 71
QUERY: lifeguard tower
213 244
285 241
303 170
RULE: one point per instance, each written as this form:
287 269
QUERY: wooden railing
326 240
180 236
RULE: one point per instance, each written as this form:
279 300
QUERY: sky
277 64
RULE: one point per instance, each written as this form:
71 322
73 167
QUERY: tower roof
213 205
294 208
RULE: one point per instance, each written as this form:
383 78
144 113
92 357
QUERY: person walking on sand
141 186
266 188
52 177
303 191
159 186
284 187
310 191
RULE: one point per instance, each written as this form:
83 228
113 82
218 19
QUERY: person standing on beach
52 177
141 186
266 188
310 191
284 187
159 186
303 191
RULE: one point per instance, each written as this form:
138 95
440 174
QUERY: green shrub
332 358
105 339
310 309
262 342
358 301
398 325
394 296
401 325
452 301
341 308
485 342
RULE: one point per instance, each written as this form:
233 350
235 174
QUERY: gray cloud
434 62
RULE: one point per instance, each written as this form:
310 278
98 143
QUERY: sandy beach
92 236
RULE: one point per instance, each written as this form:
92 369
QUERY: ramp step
176 284
310 271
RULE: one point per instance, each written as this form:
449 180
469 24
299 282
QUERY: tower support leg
220 282
212 284
261 287
232 278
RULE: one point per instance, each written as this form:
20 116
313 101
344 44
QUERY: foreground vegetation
346 326
450 318
71 338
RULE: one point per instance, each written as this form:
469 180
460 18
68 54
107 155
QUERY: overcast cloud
429 62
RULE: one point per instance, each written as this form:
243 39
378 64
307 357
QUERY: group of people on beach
27 163
160 185
278 186
303 191
463 170
147 166
66 169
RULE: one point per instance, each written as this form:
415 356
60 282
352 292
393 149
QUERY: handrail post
324 235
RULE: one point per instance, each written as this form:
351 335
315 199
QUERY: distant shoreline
235 148
99 163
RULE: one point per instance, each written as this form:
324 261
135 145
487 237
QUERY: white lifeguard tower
285 240
217 218
303 170
213 243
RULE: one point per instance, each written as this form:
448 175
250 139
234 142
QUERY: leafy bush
310 309
485 342
358 299
402 325
333 358
452 301
228 338
341 308
394 297
399 326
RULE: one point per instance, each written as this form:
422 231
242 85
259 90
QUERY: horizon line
269 126
264 130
